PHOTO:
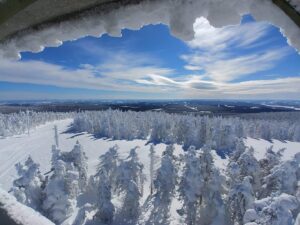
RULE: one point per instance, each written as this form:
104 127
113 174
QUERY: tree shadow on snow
159 211
76 135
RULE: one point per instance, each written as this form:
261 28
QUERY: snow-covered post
152 158
27 121
56 136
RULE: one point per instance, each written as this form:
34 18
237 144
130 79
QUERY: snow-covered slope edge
12 211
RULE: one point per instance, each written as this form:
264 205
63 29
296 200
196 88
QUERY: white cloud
214 68
194 86
221 53
119 77
216 39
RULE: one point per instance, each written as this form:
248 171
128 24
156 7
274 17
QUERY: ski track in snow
38 144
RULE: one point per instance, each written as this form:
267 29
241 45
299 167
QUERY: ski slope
38 145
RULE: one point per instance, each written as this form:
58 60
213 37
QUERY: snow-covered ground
260 146
38 144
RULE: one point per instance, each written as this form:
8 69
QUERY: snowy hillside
38 145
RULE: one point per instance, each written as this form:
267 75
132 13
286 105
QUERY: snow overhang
31 25
14 213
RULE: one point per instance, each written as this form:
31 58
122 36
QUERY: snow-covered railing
14 213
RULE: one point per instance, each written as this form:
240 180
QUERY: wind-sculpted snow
217 132
179 15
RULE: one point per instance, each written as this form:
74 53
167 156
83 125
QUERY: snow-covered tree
106 209
23 122
166 175
240 198
61 191
68 180
28 187
164 189
129 183
80 162
244 174
78 158
267 164
242 164
272 211
153 159
109 163
283 178
249 166
106 177
191 186
211 200
217 132
270 160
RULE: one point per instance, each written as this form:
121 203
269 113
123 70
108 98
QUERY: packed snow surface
179 15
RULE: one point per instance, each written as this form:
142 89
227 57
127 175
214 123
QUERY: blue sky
247 61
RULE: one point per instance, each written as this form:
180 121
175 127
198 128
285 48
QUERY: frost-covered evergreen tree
129 183
272 211
217 132
106 209
242 163
267 164
191 185
108 164
79 159
28 187
240 198
61 191
243 173
166 175
153 159
106 178
164 187
283 178
249 166
270 160
23 122
211 200
68 180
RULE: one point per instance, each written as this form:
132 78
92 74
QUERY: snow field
38 144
